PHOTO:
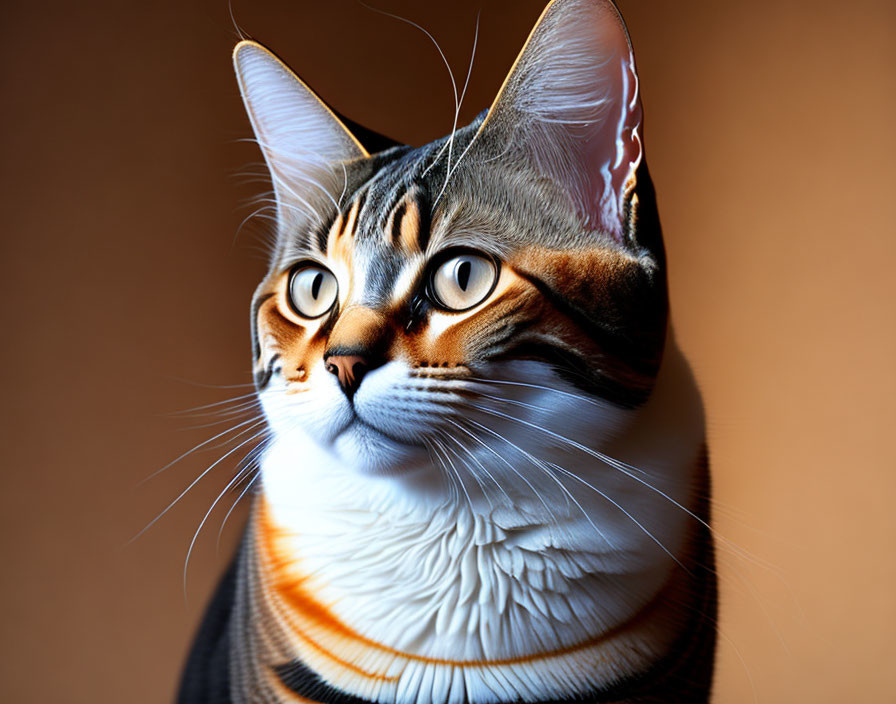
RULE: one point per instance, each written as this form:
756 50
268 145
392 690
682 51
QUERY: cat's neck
394 593
295 636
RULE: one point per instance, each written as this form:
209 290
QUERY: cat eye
463 280
312 290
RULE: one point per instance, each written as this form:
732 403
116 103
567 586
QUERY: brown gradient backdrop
770 133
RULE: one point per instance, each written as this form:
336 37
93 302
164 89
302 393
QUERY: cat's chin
371 451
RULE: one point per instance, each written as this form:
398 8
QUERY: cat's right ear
303 142
569 108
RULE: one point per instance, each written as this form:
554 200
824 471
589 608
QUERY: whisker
459 478
473 457
540 464
436 453
622 467
201 385
457 106
233 506
197 448
227 417
578 397
650 535
255 213
578 446
235 399
476 478
191 485
245 470
512 468
242 35
457 100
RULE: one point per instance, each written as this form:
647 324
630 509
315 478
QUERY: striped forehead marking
344 226
407 228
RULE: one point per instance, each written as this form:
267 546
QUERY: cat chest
440 615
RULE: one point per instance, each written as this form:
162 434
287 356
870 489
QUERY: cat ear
571 105
302 140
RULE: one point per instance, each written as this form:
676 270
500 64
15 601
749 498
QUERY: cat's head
431 304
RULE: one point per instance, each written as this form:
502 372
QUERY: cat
487 478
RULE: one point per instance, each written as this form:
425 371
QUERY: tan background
771 140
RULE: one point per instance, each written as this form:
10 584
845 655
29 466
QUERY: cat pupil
463 274
316 284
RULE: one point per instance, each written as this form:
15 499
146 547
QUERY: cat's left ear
302 140
570 106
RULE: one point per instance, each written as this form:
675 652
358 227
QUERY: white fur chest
444 581
455 586
523 597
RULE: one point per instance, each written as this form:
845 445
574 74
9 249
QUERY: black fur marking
634 354
424 230
372 141
206 676
362 201
299 678
578 371
397 219
322 236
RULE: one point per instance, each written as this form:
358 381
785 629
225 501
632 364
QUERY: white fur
481 572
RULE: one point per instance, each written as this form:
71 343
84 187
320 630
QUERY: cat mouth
357 422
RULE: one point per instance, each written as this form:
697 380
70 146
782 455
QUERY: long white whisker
512 468
530 406
191 485
541 464
476 478
196 448
473 457
231 483
650 535
233 506
227 441
235 399
201 385
459 478
457 106
226 417
623 467
233 21
431 38
437 452
578 397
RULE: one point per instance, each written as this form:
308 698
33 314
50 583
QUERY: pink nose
349 369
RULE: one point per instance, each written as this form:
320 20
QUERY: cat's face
449 306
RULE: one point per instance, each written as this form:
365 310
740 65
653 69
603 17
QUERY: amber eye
312 290
463 280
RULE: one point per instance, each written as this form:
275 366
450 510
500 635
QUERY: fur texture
486 479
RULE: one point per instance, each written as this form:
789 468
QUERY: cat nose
358 344
349 369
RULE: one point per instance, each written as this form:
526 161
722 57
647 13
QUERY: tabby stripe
424 221
301 680
634 368
579 371
360 202
396 222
